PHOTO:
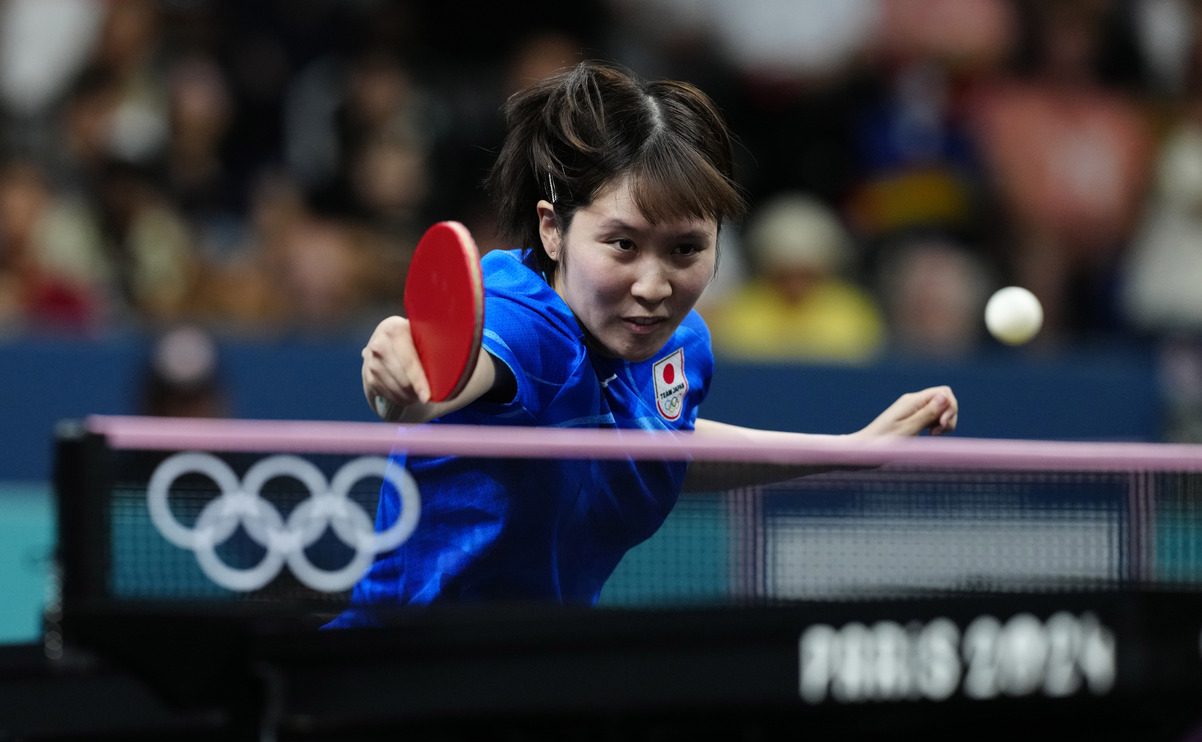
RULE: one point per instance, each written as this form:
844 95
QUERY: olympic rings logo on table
240 502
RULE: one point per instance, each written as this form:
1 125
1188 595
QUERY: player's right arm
393 373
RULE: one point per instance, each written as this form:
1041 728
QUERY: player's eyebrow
616 224
697 235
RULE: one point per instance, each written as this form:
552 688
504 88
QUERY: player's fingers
369 390
375 390
897 417
391 368
933 409
903 417
917 411
936 405
402 382
407 368
910 404
416 375
950 417
939 399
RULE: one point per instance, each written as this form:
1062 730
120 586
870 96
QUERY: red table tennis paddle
444 302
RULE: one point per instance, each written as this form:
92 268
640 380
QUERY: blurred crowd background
265 167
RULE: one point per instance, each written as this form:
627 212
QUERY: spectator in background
297 270
43 48
389 181
197 177
130 50
1167 34
791 40
1069 153
1162 293
147 263
799 304
1163 272
386 125
33 291
236 288
538 55
787 73
183 377
85 132
342 110
933 290
326 277
918 168
887 109
359 127
469 109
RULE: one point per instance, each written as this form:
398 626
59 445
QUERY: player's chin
641 348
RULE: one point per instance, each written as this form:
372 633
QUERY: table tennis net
263 514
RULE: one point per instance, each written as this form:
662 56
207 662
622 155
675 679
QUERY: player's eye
689 249
623 244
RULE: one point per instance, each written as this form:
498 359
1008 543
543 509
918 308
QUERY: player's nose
651 284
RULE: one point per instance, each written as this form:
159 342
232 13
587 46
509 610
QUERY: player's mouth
643 325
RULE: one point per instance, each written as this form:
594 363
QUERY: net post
82 481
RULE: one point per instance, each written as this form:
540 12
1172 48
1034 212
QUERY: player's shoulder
504 263
693 330
502 257
519 300
511 273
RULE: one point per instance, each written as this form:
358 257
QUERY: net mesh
209 545
892 532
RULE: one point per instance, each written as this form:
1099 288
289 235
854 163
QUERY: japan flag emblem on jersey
670 384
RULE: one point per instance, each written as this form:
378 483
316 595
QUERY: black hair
570 135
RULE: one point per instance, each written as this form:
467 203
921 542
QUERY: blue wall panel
1090 396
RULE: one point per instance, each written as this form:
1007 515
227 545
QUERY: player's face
629 282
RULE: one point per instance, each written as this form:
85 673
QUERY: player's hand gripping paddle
444 302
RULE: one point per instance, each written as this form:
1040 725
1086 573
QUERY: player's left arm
934 410
710 476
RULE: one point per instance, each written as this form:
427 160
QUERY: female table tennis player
615 190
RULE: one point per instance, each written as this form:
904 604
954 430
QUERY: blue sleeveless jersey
498 529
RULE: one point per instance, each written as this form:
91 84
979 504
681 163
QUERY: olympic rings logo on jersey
240 503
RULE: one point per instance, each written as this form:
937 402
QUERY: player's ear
548 230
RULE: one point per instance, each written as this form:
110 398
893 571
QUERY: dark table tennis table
1121 659
543 672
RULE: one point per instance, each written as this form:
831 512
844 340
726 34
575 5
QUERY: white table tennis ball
1013 315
